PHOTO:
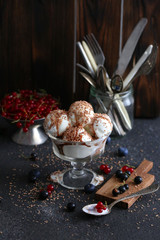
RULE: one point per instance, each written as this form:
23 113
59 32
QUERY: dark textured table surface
23 216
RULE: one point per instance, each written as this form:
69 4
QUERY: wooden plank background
37 45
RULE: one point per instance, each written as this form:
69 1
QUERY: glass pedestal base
68 180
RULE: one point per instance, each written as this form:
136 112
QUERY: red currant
107 170
99 205
14 94
50 187
16 117
125 168
4 114
19 124
99 210
102 167
27 124
25 129
131 170
31 122
49 192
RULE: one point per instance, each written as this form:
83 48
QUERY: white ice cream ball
56 122
80 113
102 125
76 134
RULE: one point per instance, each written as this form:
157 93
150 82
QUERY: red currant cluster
126 168
100 207
27 106
105 168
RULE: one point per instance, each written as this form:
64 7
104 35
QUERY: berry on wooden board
115 192
138 179
124 168
131 170
126 186
124 177
119 173
122 189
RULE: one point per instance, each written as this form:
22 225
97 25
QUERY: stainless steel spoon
90 209
100 78
88 78
84 69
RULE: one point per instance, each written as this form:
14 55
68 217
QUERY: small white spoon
90 209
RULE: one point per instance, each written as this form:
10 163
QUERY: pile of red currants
100 207
26 106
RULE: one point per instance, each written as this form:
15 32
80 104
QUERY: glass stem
77 169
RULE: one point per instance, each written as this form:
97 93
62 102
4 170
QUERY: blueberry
122 189
138 180
43 195
115 192
71 206
33 156
126 186
128 172
32 178
124 177
119 173
35 172
108 140
89 188
122 151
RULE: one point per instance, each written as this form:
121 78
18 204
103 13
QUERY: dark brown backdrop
37 45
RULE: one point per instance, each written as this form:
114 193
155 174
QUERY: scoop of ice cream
56 122
76 134
80 113
100 126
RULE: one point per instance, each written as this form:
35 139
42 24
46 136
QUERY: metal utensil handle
134 70
88 78
150 189
87 62
83 68
147 66
129 47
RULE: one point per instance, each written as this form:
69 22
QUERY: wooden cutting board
105 192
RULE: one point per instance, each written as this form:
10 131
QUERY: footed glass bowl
78 154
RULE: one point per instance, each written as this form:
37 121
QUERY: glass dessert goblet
78 154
